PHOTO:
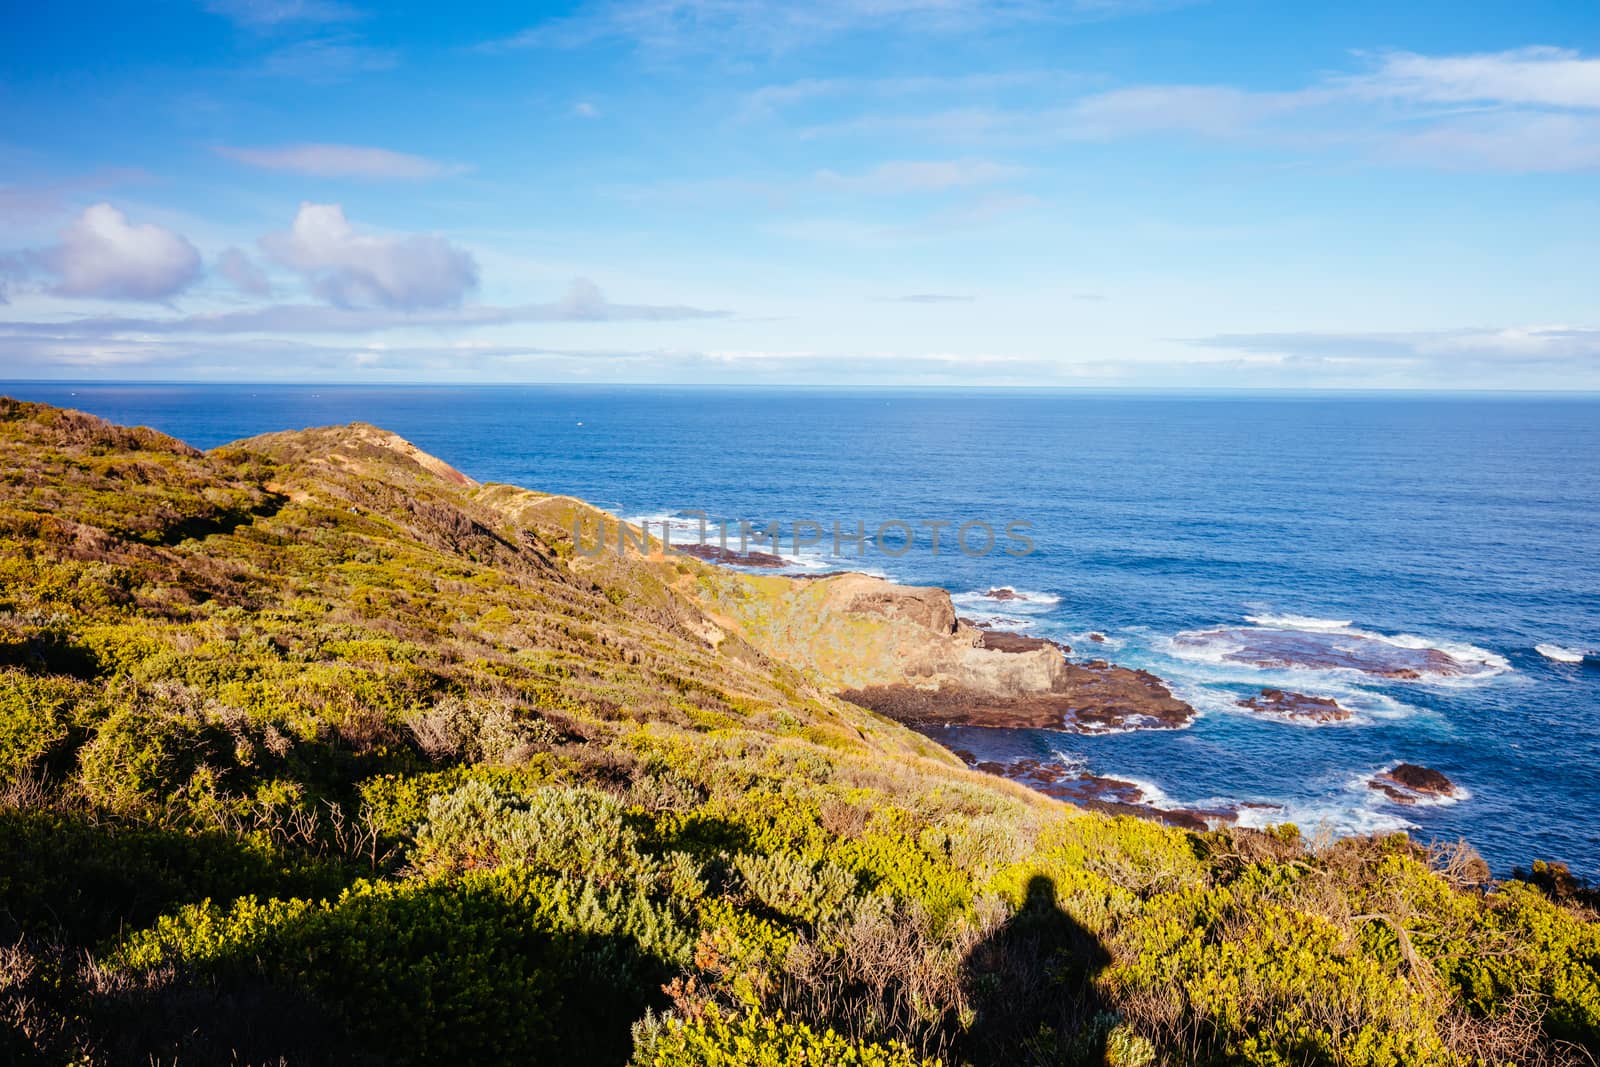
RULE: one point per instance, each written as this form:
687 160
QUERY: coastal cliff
314 749
901 651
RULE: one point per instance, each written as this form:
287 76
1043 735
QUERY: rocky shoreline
905 653
1113 796
1093 697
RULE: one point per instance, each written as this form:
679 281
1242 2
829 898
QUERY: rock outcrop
711 553
902 652
1297 707
1410 783
1278 649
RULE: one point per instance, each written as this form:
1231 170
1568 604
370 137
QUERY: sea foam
1018 600
1229 646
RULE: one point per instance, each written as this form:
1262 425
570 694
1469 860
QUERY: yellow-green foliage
35 718
753 1040
1267 980
313 728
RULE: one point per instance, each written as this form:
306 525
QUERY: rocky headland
902 652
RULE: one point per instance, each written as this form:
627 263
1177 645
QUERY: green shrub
1522 944
144 753
35 720
498 966
799 891
1239 973
552 828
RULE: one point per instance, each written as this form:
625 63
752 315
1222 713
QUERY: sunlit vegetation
312 751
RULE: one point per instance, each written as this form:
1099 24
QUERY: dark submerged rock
1297 706
1408 783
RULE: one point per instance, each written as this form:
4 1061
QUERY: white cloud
12 268
352 269
244 273
1527 357
585 110
920 176
1524 110
326 60
275 358
1206 109
1509 141
1540 76
102 254
270 14
340 161
769 100
733 26
583 300
892 178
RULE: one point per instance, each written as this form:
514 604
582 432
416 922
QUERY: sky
1231 194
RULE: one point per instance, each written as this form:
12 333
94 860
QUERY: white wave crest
1010 623
1300 622
1082 642
1459 651
1017 600
1559 654
1332 816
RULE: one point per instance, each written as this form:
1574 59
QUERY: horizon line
823 386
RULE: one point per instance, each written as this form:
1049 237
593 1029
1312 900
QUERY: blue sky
1101 193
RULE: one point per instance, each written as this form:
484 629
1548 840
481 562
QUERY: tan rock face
863 594
901 651
1085 698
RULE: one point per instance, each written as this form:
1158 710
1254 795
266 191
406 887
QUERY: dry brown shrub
365 729
1513 1035
1459 864
842 818
883 971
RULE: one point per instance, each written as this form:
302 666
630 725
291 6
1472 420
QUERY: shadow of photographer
1031 984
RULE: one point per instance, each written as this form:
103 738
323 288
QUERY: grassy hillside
313 750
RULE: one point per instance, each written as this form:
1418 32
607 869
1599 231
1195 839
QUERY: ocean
1178 526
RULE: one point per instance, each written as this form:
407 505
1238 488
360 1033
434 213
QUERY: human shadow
1031 985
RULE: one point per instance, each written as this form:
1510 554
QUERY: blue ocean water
1465 523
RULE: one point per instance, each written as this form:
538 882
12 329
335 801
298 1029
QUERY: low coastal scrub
310 728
